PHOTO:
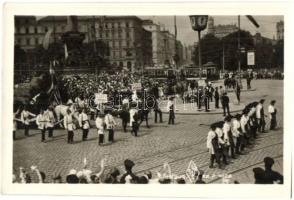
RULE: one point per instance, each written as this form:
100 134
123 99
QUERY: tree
211 48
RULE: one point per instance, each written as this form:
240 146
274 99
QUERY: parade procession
98 100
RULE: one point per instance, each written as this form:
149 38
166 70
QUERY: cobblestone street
176 144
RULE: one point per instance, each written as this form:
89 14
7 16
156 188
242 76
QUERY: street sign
191 171
251 58
100 98
136 86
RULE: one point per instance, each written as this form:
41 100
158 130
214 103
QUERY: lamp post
199 23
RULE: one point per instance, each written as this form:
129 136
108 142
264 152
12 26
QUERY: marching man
41 122
25 114
69 125
84 123
213 146
100 126
272 114
110 124
50 121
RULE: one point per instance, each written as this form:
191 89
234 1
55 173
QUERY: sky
187 36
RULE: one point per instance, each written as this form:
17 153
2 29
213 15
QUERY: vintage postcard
126 99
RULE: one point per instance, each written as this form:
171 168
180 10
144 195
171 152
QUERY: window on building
106 34
127 24
119 44
27 30
101 35
128 44
118 24
28 41
127 34
112 25
46 29
36 29
36 41
18 41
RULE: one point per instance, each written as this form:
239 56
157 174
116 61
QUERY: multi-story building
280 30
163 44
129 43
220 31
259 39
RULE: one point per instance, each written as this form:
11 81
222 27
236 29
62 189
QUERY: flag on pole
46 39
65 51
253 21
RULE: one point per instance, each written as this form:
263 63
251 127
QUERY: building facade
129 43
220 31
163 44
280 30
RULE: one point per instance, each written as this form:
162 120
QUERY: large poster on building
250 58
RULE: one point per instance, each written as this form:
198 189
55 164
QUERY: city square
148 99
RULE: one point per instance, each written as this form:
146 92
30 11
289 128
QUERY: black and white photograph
148 99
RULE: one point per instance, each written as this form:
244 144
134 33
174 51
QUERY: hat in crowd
258 173
268 161
143 180
72 178
200 172
228 118
273 101
181 181
72 172
129 164
262 101
114 172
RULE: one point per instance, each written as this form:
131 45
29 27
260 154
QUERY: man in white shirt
228 137
171 109
69 126
25 119
243 123
41 123
100 126
272 115
84 123
222 143
110 123
213 146
50 121
237 133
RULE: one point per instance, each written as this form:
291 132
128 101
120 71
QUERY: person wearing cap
25 119
171 109
50 121
206 99
100 127
41 123
236 131
272 115
213 146
84 123
110 124
238 93
225 100
228 137
260 116
271 176
259 175
223 151
199 176
128 167
69 126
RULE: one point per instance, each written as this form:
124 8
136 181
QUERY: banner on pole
191 171
136 86
250 58
100 98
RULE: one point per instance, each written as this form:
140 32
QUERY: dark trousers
261 124
14 135
26 129
70 136
157 111
232 149
216 102
171 118
253 130
224 153
50 132
206 104
110 135
238 144
124 125
85 134
238 96
43 134
226 109
101 138
135 128
273 122
214 157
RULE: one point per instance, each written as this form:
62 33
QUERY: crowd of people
235 134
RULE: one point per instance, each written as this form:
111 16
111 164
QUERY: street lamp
199 23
